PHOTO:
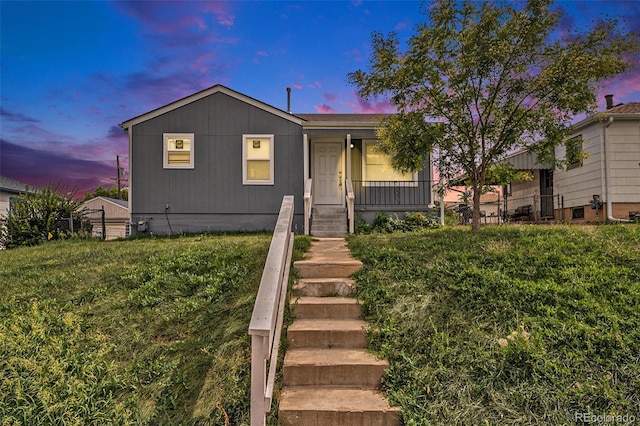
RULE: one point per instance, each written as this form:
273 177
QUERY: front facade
219 160
602 179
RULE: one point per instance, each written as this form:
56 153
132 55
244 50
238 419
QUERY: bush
383 223
41 215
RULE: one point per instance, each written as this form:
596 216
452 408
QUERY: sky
72 71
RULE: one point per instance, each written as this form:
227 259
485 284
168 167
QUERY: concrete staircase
328 222
329 377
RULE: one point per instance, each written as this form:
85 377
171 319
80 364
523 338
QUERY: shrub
41 215
383 223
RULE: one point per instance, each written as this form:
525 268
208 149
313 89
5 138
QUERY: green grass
518 325
147 331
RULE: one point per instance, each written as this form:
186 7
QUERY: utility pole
118 178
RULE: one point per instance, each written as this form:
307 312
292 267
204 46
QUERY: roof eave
218 88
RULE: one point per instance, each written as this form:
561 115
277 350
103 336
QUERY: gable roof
12 185
218 88
628 111
121 203
628 108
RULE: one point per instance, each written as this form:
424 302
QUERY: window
178 151
376 166
574 152
257 159
577 213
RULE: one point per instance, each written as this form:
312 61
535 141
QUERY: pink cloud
297 86
329 97
325 109
364 106
222 11
262 53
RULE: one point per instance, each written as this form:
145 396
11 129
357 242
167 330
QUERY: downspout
607 172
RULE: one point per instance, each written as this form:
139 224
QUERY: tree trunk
475 224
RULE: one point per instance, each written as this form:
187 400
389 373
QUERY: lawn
147 331
518 325
513 325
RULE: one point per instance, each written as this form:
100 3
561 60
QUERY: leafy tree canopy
490 77
107 192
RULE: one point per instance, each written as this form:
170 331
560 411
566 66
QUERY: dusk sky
72 71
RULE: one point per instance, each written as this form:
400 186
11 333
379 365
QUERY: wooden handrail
308 203
350 205
265 327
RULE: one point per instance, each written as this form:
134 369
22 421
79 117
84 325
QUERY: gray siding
211 196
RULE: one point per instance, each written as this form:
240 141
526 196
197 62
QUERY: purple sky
72 71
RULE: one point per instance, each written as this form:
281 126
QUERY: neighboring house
221 160
116 217
602 180
9 190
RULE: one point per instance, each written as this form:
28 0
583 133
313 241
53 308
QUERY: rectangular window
257 159
574 152
178 150
376 166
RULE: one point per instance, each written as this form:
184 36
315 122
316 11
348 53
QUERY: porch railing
308 203
266 321
392 193
350 205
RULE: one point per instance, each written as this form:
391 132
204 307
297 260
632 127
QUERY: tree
107 192
492 77
41 215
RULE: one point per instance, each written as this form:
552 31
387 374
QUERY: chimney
289 100
609 99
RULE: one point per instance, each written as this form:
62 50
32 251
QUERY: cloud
364 106
297 86
16 117
325 109
329 97
39 167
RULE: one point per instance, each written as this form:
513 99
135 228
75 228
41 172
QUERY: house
109 217
219 160
602 179
9 190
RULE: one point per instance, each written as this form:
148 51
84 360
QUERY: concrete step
322 287
328 225
328 210
323 406
327 333
330 268
333 367
328 234
326 308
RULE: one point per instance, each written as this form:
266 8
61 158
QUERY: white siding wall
579 184
625 161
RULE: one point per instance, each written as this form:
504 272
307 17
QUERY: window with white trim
257 159
178 150
377 168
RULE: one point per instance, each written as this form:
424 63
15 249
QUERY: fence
535 208
266 321
406 194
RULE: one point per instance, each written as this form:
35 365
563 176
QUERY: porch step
333 367
329 222
327 333
323 287
320 406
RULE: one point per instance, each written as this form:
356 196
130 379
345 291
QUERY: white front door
327 173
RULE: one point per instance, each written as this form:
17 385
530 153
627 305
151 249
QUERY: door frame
341 165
